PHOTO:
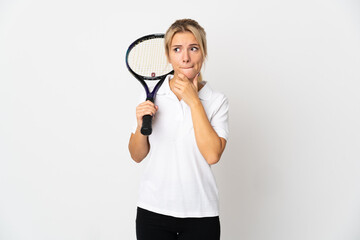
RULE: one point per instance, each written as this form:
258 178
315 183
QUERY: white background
291 170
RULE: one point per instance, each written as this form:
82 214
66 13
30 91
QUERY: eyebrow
191 45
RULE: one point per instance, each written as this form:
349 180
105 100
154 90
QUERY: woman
178 195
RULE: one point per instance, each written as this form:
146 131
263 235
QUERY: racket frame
146 128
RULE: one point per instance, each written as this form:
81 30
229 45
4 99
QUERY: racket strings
148 58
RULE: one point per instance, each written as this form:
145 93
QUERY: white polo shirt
177 180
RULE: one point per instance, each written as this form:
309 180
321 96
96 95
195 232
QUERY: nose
186 57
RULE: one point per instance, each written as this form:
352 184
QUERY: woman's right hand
139 144
145 108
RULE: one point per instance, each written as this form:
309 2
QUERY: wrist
195 104
138 131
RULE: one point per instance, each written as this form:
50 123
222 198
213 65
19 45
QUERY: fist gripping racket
146 61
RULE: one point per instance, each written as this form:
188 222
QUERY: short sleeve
220 118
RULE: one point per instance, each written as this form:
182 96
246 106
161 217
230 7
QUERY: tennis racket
146 61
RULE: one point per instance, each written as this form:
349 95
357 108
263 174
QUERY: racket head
146 58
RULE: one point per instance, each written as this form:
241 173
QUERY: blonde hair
186 25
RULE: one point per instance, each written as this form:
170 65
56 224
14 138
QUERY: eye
194 49
176 49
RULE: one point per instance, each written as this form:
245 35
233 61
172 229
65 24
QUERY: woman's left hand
186 89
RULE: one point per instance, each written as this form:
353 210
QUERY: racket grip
146 128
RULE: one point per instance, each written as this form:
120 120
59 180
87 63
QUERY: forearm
138 146
207 140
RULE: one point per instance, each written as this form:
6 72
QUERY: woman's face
185 55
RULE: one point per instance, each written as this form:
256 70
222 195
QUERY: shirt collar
204 93
165 87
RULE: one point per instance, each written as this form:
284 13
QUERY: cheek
199 59
199 63
173 60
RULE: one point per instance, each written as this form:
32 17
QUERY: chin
189 74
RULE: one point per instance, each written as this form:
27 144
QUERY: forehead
184 38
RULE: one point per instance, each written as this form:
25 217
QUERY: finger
177 81
195 80
181 82
179 90
197 77
182 77
141 111
149 103
178 85
145 105
146 112
141 108
147 108
156 109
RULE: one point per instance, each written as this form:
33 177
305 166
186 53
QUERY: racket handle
146 128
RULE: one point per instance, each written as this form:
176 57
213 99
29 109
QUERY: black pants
154 226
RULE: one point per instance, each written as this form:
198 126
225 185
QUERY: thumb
195 80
